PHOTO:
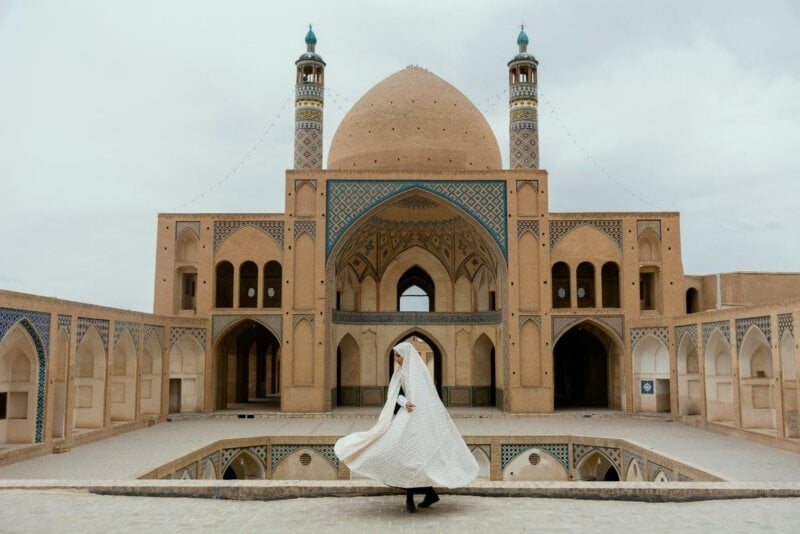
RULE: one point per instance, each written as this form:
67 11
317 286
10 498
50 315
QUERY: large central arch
587 368
248 360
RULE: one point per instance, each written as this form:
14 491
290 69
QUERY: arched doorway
584 369
248 361
348 372
430 353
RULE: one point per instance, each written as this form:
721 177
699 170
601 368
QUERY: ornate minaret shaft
309 101
522 104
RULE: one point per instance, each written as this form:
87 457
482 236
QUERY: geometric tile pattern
308 144
722 326
637 334
524 141
307 227
188 472
260 451
178 332
41 355
742 325
560 228
642 225
785 323
417 318
653 469
131 327
40 321
102 328
280 452
533 183
273 323
180 226
528 226
223 229
65 322
150 329
680 331
214 460
559 451
560 323
612 453
484 200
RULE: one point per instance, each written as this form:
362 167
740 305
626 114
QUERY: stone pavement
133 453
24 511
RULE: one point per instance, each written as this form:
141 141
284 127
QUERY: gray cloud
111 112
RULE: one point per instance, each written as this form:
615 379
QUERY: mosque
412 230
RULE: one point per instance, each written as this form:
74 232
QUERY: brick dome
414 120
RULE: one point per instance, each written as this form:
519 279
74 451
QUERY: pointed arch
758 394
186 375
90 372
348 371
596 466
560 280
123 379
223 285
186 247
416 290
719 383
19 372
651 375
244 466
150 381
535 465
649 246
690 397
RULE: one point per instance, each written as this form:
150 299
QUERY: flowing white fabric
410 450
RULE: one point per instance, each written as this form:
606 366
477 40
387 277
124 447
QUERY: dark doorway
415 338
248 364
174 395
580 361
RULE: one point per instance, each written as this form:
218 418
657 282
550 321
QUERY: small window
3 404
492 300
647 291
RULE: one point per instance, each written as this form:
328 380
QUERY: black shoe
410 507
429 499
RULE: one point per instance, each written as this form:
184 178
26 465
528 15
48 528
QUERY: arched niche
535 465
186 247
223 285
485 290
560 279
273 276
123 379
244 466
186 375
758 392
18 386
690 397
584 277
651 375
348 372
347 287
248 284
527 200
484 463
719 385
305 200
649 247
90 371
610 280
150 381
304 464
634 472
304 265
530 354
596 466
528 272
483 376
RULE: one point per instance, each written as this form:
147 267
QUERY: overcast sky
111 112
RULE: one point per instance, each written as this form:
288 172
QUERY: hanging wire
233 171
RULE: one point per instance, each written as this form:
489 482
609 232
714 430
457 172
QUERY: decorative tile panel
560 451
179 331
273 323
65 322
560 228
680 331
39 320
214 460
628 457
653 468
348 200
280 452
528 226
660 332
180 226
722 326
533 183
743 325
561 323
785 323
260 451
648 224
536 319
152 329
223 229
612 453
417 318
188 472
102 328
133 328
305 227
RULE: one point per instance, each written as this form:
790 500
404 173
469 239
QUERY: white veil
409 450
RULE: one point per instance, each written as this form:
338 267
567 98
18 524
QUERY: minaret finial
309 104
523 107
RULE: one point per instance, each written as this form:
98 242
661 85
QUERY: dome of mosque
414 120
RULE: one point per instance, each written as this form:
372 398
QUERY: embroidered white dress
409 450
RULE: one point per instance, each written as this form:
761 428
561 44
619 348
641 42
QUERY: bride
414 445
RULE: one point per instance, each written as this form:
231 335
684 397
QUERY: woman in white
416 447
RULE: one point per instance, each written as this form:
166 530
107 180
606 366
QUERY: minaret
522 104
308 102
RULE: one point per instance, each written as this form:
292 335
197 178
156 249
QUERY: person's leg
430 497
410 500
